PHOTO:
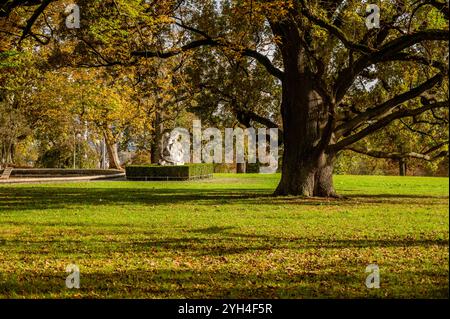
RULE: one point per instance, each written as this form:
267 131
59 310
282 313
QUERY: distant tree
16 82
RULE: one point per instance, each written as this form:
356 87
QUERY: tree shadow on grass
211 230
211 241
50 198
31 198
234 243
222 281
166 283
219 283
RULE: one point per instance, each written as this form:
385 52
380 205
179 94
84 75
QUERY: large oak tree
325 51
321 52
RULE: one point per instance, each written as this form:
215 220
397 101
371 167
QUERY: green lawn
225 238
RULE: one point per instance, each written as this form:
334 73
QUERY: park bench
6 173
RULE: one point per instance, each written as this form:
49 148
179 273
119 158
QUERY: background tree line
347 99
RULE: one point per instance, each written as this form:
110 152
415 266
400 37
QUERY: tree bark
306 169
156 147
312 177
402 167
323 181
12 153
8 155
112 149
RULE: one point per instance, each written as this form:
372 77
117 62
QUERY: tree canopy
314 69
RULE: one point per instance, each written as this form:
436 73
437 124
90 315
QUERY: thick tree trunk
112 149
323 181
10 157
8 153
156 145
308 177
307 169
113 156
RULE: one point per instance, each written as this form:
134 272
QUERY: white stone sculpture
172 152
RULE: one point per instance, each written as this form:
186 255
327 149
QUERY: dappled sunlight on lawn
225 237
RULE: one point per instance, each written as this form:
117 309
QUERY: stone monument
172 153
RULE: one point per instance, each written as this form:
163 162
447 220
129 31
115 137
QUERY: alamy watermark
73 19
374 16
238 146
73 279
373 279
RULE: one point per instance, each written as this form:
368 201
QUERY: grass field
225 238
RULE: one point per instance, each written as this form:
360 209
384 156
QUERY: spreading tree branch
397 155
32 20
387 106
210 41
347 75
383 123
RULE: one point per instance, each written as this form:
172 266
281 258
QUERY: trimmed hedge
158 172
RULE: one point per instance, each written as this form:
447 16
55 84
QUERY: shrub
157 172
